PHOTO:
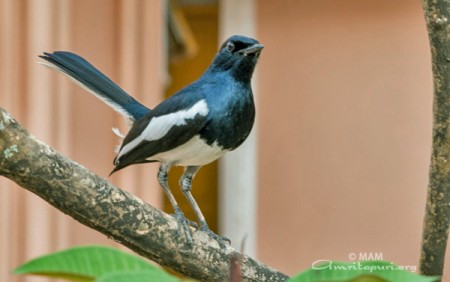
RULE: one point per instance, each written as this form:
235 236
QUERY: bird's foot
183 225
223 241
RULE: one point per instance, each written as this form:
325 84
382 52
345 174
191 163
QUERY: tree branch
437 214
118 214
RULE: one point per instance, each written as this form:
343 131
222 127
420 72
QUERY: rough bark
437 214
94 202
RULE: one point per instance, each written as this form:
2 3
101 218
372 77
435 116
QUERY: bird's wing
169 125
95 82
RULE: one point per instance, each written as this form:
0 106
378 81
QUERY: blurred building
337 164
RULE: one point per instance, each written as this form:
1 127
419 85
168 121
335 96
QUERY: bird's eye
230 47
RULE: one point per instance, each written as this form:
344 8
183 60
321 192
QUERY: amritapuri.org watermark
360 261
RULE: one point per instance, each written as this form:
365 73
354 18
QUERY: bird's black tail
98 84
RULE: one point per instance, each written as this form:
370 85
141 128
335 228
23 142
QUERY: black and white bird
192 128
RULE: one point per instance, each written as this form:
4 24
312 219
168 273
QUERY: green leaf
137 276
359 271
85 263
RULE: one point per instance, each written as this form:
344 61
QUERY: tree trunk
437 214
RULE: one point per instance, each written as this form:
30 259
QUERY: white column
237 170
63 229
39 217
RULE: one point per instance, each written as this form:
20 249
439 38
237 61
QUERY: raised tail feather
98 84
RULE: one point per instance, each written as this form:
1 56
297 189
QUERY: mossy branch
96 203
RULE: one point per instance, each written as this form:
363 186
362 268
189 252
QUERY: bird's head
239 55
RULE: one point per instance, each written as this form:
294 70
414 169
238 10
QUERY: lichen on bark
119 215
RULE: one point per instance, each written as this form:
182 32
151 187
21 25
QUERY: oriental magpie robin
194 127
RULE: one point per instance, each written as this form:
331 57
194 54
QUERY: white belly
195 152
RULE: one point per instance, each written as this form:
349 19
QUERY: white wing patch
158 127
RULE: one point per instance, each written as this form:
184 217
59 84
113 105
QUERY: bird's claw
223 241
183 225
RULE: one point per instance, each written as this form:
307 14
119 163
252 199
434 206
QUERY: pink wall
124 39
345 130
344 113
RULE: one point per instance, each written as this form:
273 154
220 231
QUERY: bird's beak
252 50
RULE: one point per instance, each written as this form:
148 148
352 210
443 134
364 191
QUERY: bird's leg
183 222
186 185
